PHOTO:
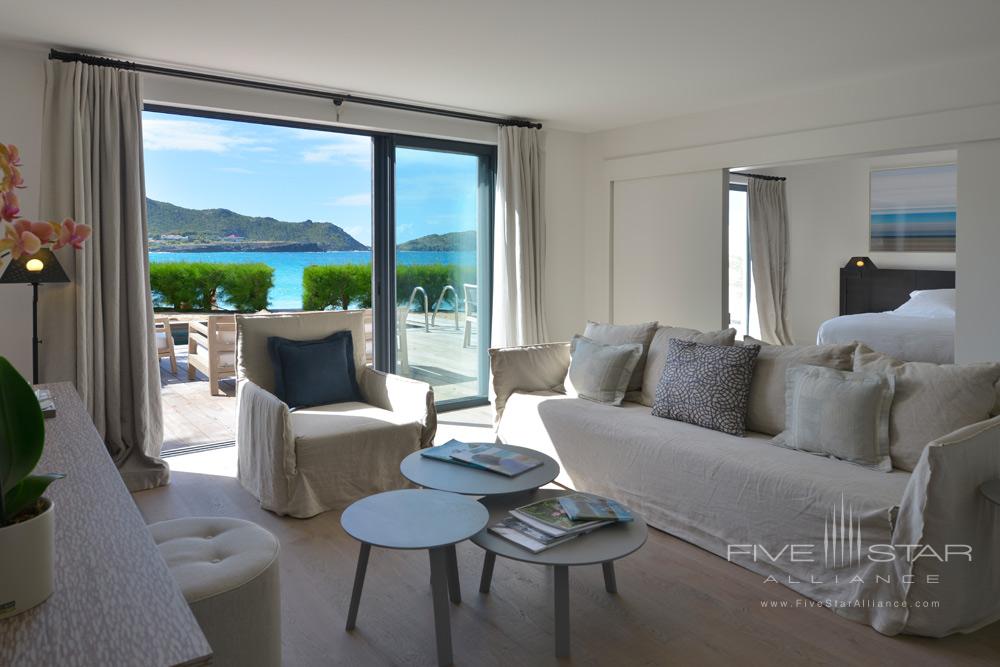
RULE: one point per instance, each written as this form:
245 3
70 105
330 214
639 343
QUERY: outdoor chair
309 460
471 311
212 350
164 341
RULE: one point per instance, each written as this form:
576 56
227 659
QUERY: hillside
451 241
222 226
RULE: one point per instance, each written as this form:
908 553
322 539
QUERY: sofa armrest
403 396
529 368
264 440
942 508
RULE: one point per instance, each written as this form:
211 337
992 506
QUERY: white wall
828 224
22 80
663 227
978 276
942 107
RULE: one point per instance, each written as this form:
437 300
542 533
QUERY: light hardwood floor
677 604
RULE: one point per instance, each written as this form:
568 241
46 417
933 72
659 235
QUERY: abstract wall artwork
914 209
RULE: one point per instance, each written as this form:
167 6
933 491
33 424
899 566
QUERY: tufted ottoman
228 572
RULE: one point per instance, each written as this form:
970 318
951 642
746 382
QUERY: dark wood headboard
872 290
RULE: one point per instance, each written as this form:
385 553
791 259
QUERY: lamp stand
34 333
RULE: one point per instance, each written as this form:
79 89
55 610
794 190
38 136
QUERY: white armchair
306 461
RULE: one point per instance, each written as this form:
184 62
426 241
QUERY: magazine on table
588 507
514 530
549 517
46 403
497 459
444 452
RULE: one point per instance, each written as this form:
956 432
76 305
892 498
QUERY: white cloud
160 134
359 199
344 148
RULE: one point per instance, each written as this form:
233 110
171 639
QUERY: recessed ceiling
576 64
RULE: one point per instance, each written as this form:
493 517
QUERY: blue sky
294 174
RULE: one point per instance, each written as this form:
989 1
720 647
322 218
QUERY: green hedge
200 286
349 285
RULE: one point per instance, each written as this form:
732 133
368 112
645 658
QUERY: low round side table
415 519
604 546
468 481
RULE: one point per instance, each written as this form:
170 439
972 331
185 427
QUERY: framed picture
913 209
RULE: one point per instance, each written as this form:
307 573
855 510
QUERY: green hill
214 225
451 241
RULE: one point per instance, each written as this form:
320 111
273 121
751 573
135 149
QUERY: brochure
549 517
497 459
516 531
588 507
444 452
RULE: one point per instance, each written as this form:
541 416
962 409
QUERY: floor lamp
42 267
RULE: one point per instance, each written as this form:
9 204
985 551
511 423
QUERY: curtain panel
769 256
99 329
519 241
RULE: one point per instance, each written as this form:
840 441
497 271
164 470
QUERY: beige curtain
99 329
769 256
519 241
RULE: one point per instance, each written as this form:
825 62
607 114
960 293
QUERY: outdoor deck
193 417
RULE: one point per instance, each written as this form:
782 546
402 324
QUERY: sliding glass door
441 222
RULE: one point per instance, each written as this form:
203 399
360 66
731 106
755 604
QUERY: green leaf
27 493
22 427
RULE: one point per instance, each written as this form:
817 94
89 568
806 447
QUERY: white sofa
311 460
738 497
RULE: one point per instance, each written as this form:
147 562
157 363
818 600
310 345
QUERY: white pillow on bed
938 303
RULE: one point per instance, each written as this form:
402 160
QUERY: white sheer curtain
769 256
99 330
519 241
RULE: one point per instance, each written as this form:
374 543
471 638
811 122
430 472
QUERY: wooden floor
677 604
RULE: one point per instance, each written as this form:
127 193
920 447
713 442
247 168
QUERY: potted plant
26 517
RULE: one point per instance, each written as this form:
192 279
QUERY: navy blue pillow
314 372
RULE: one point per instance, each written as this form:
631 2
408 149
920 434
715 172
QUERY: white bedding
904 337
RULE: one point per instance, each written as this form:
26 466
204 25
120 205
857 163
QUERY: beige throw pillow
766 413
657 357
932 400
621 334
600 372
842 414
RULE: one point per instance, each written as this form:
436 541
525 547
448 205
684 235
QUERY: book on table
549 517
514 530
46 403
497 459
444 452
588 507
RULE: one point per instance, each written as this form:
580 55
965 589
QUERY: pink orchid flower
19 241
10 207
45 231
72 234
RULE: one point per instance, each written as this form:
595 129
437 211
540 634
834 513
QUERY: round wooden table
416 519
603 546
443 476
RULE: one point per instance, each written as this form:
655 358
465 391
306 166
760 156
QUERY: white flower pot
26 564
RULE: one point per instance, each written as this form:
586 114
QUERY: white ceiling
575 64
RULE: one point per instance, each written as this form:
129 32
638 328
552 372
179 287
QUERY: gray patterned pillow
706 385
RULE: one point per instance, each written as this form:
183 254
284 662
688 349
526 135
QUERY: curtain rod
337 98
763 177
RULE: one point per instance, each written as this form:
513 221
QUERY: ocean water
288 266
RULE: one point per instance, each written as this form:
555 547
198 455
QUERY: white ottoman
228 571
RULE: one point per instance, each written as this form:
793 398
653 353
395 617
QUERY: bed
906 313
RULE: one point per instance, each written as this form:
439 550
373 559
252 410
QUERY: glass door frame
384 251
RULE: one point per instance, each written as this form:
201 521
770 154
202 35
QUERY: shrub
337 286
199 286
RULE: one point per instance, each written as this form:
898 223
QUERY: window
246 214
742 302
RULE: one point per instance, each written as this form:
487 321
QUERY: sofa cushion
314 372
620 334
657 355
707 385
931 401
842 414
766 412
600 372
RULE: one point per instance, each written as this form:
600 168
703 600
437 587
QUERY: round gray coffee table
604 545
468 481
416 519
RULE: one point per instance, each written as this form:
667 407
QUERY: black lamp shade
51 272
860 263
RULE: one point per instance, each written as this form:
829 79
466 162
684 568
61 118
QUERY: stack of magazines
550 522
484 456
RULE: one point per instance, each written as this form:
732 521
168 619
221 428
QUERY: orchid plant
22 237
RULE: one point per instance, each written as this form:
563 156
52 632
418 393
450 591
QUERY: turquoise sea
287 291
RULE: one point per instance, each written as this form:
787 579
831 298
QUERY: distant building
233 237
173 237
